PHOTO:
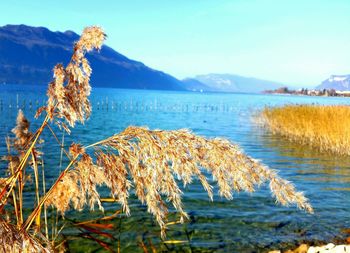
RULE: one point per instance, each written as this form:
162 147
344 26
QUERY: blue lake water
248 223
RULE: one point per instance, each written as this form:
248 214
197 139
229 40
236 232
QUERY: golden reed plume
21 131
69 91
152 162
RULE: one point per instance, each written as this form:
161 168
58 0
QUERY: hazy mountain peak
336 82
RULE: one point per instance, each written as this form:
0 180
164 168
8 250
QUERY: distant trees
307 92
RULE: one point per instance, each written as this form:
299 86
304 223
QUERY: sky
297 42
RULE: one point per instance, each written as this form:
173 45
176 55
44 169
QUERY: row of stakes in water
125 106
156 106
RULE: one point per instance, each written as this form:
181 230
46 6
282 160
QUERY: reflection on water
248 223
326 167
301 153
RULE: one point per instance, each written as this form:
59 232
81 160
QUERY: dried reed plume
78 186
325 127
19 142
22 139
21 131
12 240
69 91
154 161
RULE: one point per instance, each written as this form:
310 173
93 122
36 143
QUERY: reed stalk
62 149
36 178
61 144
44 192
13 192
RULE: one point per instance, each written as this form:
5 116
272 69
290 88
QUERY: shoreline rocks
329 248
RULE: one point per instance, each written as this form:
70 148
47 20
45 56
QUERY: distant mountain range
336 82
28 55
231 83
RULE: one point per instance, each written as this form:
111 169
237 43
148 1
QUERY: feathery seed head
91 38
21 131
69 91
156 160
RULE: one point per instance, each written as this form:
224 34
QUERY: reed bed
325 127
152 164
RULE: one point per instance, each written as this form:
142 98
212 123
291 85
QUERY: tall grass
325 127
147 163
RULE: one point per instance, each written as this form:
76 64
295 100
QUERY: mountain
235 83
28 55
336 82
192 84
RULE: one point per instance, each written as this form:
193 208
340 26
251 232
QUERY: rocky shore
329 248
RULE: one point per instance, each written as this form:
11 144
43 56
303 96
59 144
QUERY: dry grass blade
103 244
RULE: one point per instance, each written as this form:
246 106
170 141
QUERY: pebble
301 249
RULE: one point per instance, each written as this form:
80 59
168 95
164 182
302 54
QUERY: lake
248 223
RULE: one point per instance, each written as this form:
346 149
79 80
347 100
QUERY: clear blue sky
299 42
